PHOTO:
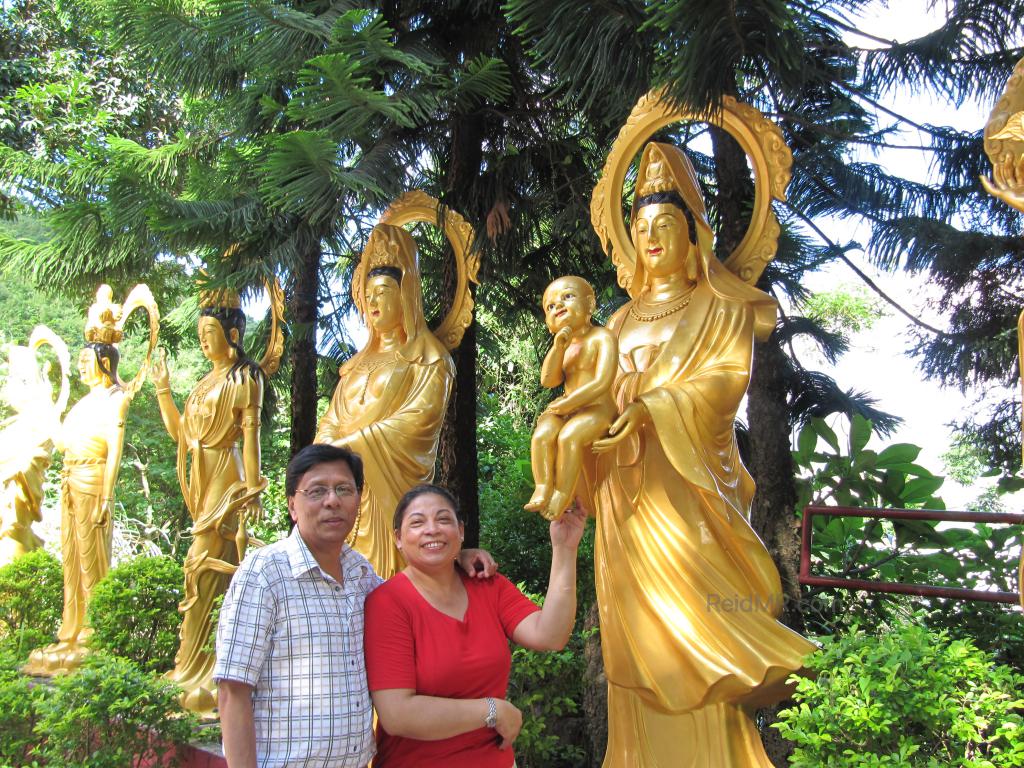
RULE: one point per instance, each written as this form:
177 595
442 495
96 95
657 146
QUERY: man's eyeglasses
319 492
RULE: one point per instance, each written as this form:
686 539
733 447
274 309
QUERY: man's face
325 523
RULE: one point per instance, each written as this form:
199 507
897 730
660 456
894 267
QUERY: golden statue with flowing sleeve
218 439
688 595
92 438
391 397
26 440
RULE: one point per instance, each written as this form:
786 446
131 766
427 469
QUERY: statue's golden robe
688 594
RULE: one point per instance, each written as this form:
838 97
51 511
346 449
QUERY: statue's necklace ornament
662 309
366 369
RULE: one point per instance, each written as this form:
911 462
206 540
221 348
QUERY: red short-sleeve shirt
411 644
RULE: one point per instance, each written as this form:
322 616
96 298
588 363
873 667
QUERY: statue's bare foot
539 500
556 506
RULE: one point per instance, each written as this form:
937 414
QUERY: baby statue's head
568 302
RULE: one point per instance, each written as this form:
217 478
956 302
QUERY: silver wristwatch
492 714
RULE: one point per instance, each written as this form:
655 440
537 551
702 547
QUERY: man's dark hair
422 490
316 454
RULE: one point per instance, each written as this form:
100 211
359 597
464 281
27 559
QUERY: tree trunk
457 447
302 319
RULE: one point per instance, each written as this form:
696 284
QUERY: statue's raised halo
761 139
43 336
106 319
415 206
1004 143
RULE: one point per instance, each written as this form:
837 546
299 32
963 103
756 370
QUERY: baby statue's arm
551 369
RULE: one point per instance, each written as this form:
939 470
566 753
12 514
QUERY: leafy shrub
911 697
134 612
110 714
546 687
31 601
18 702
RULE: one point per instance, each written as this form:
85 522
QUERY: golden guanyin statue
26 440
688 595
1004 145
583 358
392 394
92 438
218 439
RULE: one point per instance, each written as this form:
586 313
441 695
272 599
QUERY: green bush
110 714
134 612
911 697
546 687
31 601
18 702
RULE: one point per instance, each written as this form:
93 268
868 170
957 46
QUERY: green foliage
31 601
18 701
134 612
911 697
846 310
110 714
546 687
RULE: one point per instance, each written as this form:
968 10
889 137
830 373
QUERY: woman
392 394
437 656
92 438
223 484
672 500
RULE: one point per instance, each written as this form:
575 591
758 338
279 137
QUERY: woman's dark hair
393 272
107 358
423 490
234 319
315 455
671 198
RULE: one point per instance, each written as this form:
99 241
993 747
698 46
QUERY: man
290 669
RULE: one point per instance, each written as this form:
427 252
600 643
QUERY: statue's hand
628 422
158 370
557 407
562 338
101 515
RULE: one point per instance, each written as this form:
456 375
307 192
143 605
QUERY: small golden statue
222 486
584 357
92 438
689 597
392 394
26 440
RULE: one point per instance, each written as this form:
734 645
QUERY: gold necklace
649 317
368 368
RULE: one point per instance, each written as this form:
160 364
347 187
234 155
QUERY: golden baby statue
92 438
26 440
221 483
392 394
583 356
675 553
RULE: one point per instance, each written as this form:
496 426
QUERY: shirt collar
301 560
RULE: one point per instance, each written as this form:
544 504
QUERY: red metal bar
921 590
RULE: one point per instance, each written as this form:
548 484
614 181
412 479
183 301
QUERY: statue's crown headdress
219 298
383 251
657 176
101 324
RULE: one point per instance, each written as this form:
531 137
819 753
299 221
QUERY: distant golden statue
689 596
221 483
26 440
583 357
92 438
392 394
1004 145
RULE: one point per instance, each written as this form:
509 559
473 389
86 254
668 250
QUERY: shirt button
337 589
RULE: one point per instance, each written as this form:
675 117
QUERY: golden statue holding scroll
220 480
92 438
26 440
583 357
674 547
392 395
